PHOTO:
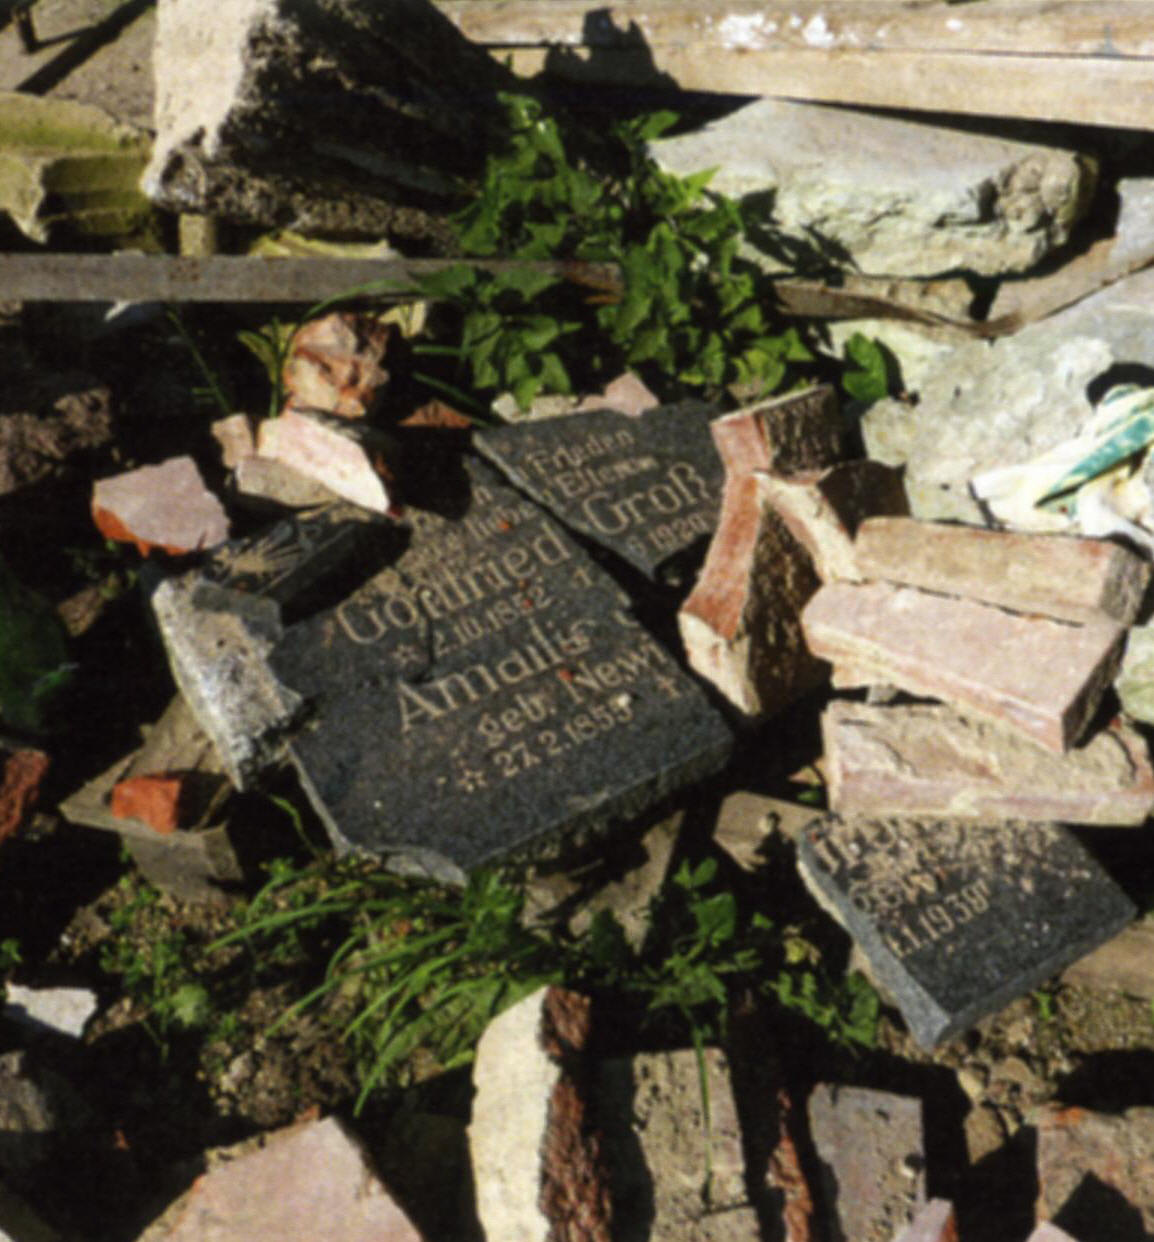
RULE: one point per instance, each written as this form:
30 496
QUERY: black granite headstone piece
646 488
959 918
488 693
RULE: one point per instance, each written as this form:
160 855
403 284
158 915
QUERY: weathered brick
823 509
800 431
1042 677
741 624
1057 575
870 1145
1096 1172
153 798
21 772
934 1223
930 760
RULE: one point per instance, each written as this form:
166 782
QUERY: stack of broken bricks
947 828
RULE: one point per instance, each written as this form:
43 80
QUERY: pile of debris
464 642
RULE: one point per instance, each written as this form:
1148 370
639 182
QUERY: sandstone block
1095 1172
823 510
349 458
1041 677
537 1164
930 760
892 197
741 624
871 1148
311 1180
1057 575
165 506
800 431
1123 964
934 1223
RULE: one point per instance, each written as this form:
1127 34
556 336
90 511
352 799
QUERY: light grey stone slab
889 196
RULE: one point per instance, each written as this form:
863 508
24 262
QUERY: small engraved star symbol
471 779
408 653
667 686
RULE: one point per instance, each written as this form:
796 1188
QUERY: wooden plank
236 278
1085 90
1111 28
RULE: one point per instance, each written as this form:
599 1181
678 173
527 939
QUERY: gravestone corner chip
488 693
958 918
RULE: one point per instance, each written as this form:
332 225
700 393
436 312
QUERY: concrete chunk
741 624
1057 575
1041 677
888 196
823 510
930 760
800 431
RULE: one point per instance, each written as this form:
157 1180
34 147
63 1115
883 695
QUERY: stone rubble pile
466 646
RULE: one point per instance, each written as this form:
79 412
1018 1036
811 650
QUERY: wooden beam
236 278
1107 28
1103 90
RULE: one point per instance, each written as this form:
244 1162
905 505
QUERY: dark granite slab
646 488
488 692
959 918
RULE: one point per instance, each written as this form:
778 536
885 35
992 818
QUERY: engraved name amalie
501 633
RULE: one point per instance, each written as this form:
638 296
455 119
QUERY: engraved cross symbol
471 779
667 686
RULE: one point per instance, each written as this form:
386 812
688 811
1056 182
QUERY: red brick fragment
800 431
1042 677
437 413
165 507
823 509
335 364
785 1173
154 799
21 773
741 624
1057 575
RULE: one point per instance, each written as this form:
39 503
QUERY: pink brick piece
1041 677
307 1182
165 506
1057 575
800 431
823 509
741 625
934 1223
928 760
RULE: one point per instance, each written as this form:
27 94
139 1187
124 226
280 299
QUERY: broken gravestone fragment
1041 677
958 918
325 116
871 1148
646 487
884 195
924 759
487 692
165 506
1060 576
219 622
538 1165
741 625
1094 1172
